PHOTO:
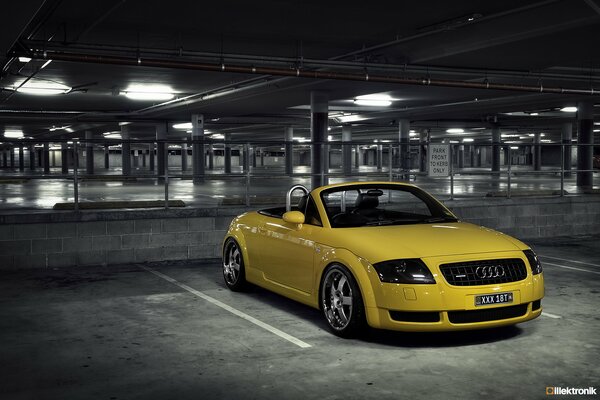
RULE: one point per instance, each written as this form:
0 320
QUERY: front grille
489 314
536 305
485 272
415 316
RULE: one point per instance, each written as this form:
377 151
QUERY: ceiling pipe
300 73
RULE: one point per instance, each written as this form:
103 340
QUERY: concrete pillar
262 158
288 136
144 152
184 157
404 139
21 158
461 156
64 157
89 154
125 150
253 156
496 141
357 156
567 137
11 153
319 108
161 136
151 150
31 157
227 154
537 152
211 157
379 156
423 140
347 150
106 156
46 158
246 152
585 141
198 157
4 158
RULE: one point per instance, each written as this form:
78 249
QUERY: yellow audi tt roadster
384 254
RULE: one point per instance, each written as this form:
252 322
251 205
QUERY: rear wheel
234 272
341 302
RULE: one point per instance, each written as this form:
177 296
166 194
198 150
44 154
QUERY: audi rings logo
494 271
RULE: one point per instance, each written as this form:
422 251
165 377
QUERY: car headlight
410 270
534 262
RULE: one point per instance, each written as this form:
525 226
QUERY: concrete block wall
61 239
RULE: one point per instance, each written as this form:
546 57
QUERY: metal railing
369 163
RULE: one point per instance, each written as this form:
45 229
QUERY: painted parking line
554 316
573 268
572 261
232 310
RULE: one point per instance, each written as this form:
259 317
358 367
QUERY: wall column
64 157
227 154
184 157
161 135
198 156
125 150
379 156
496 141
404 139
347 150
537 152
585 141
319 119
288 136
423 140
89 154
567 137
21 158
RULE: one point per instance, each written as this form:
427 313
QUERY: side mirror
294 217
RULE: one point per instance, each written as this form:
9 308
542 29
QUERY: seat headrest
364 200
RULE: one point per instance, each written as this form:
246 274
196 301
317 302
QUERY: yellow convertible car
384 254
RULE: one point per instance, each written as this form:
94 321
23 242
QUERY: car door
288 251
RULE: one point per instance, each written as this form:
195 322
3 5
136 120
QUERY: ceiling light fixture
45 64
24 59
148 92
183 126
373 100
455 130
468 140
13 134
569 109
42 88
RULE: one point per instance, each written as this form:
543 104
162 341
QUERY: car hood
380 243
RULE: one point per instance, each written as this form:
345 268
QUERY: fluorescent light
183 125
468 139
514 147
455 130
546 141
24 59
43 88
109 135
13 134
329 138
596 130
453 141
148 92
45 64
148 96
302 139
534 114
569 109
218 136
412 133
373 100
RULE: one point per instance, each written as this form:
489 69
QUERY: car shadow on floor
384 337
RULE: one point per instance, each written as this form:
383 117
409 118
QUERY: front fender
359 269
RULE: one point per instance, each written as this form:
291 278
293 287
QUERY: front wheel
234 272
341 302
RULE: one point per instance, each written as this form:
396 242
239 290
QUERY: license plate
497 298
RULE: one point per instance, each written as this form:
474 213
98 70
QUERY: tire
341 302
234 272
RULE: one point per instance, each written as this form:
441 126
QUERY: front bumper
443 307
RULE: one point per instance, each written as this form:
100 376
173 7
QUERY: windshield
378 205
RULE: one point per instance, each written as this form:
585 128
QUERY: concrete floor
267 181
125 333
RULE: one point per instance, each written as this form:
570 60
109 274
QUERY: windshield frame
437 210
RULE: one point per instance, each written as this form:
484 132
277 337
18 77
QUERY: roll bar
288 196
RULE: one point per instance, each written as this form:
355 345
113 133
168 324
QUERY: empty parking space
141 332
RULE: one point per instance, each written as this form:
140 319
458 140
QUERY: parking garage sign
439 160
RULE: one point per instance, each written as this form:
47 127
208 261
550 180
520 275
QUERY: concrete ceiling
546 44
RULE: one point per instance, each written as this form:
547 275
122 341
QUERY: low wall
60 239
